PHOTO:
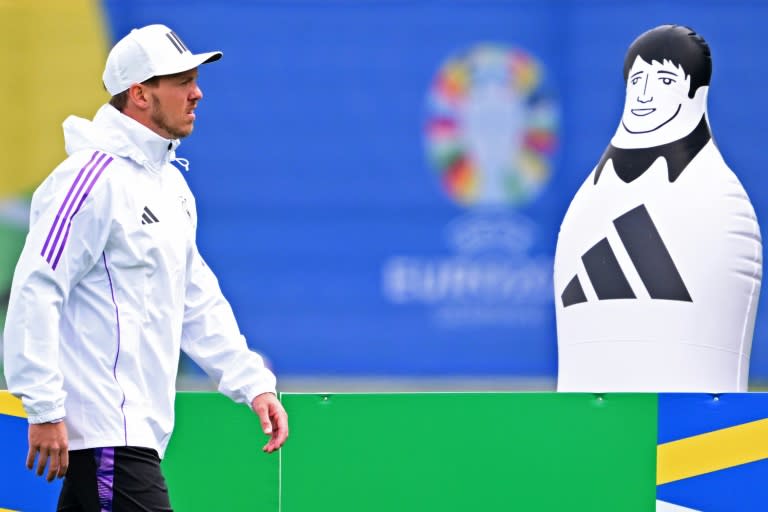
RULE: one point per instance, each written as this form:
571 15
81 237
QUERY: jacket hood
112 131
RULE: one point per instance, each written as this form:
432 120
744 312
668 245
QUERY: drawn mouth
642 111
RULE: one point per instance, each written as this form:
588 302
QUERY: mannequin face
656 95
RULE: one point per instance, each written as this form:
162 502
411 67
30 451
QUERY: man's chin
180 134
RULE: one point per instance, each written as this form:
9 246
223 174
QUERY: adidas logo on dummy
648 254
148 217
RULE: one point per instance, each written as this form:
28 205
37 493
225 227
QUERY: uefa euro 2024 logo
491 127
490 134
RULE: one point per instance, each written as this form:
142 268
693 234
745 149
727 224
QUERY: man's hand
49 441
274 420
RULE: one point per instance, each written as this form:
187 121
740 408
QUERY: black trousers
119 479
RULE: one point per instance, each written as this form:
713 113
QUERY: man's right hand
49 441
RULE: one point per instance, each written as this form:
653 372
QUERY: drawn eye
666 81
635 80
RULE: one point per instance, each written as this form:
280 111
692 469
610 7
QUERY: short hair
120 99
678 44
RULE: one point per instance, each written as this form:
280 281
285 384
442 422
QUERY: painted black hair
678 44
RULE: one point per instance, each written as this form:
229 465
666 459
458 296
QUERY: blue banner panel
20 488
380 184
712 453
738 488
684 415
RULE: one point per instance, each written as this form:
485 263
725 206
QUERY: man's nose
197 93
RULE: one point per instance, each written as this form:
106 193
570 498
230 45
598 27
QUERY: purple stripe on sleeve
71 205
82 199
105 477
64 203
117 353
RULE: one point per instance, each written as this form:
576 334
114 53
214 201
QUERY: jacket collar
138 142
116 133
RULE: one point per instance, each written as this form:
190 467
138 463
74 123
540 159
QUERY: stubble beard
159 118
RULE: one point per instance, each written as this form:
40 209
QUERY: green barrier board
472 451
214 461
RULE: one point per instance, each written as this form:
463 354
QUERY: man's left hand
273 418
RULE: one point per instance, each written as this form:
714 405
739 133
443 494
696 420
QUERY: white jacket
110 286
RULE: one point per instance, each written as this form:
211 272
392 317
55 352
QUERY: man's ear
138 94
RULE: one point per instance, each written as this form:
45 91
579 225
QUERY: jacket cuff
267 386
46 417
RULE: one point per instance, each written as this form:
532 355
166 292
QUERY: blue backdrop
328 207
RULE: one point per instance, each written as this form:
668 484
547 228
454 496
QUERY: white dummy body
659 257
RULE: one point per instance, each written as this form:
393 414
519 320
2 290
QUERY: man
110 287
658 264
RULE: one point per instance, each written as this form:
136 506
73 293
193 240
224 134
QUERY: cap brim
212 56
191 62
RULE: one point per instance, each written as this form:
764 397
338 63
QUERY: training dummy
659 258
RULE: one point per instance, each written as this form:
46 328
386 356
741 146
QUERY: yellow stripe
712 451
7 510
11 406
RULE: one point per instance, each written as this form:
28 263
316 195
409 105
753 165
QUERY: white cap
154 50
